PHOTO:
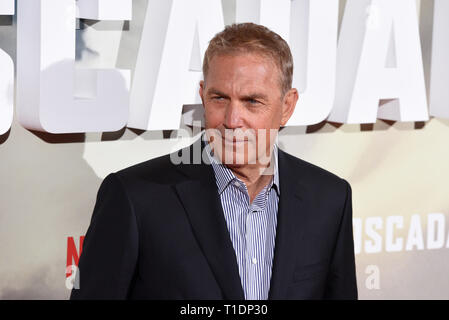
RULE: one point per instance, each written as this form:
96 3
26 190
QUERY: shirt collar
224 175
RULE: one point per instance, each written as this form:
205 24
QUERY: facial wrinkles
242 76
247 79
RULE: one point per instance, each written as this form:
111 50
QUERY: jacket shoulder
312 173
159 170
319 184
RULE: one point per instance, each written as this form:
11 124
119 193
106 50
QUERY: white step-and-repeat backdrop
88 87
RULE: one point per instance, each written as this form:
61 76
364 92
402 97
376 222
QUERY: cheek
266 119
214 116
275 117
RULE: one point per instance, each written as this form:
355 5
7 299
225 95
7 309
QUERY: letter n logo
72 254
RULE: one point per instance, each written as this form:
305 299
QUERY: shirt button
254 260
237 184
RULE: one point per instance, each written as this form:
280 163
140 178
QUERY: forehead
242 71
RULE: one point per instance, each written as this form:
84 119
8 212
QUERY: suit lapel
201 201
292 211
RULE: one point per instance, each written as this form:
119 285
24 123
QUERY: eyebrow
255 96
217 92
252 96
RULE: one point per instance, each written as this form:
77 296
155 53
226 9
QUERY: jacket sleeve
109 254
341 282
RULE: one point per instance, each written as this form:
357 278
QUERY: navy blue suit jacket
158 232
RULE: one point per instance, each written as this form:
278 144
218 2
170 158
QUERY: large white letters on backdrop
6 77
439 79
310 28
7 7
379 58
168 68
105 9
46 75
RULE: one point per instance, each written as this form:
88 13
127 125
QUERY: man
248 222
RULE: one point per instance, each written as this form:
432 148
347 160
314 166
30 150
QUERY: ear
288 105
201 91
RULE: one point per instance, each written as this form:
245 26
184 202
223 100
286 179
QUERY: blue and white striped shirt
251 226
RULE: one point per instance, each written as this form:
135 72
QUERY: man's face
243 100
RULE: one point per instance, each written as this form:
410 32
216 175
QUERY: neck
251 174
255 176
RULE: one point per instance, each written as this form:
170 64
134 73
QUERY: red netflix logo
73 255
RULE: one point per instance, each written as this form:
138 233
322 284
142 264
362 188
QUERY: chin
240 164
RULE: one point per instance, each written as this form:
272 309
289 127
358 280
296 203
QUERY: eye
253 102
217 98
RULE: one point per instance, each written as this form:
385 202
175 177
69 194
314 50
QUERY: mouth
234 140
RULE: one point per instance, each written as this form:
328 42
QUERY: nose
234 115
